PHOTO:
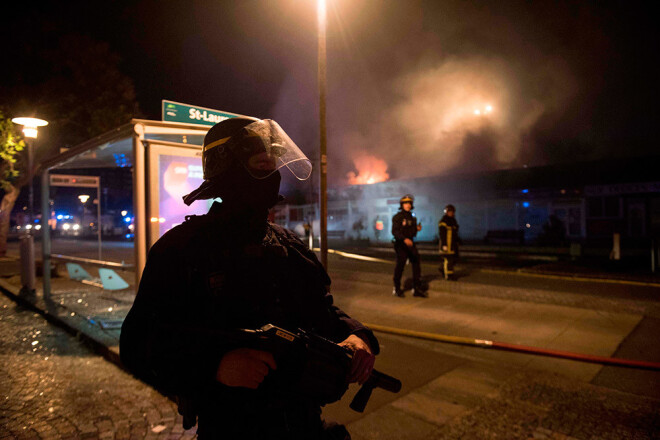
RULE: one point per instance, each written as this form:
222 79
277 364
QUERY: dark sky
566 80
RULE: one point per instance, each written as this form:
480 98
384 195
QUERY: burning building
589 200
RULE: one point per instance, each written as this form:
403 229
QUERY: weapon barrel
386 382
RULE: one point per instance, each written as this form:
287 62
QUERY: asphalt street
449 391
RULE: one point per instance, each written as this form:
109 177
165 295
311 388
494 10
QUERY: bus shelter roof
115 148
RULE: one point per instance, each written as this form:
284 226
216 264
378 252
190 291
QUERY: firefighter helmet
407 199
451 208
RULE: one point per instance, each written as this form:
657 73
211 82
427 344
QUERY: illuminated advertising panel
174 171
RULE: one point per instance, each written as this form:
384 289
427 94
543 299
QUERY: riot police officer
404 230
449 241
232 269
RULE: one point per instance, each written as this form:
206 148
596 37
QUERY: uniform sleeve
442 233
332 322
397 228
155 342
349 326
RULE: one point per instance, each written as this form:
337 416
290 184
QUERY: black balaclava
239 190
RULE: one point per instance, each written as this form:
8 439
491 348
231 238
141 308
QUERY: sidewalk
90 313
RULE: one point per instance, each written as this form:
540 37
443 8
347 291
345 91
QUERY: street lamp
323 136
83 199
30 127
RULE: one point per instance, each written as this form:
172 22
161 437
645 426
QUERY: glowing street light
30 129
30 125
83 199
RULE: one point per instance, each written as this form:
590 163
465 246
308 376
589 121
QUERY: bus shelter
164 159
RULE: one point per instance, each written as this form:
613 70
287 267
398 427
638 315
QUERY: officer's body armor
214 272
404 225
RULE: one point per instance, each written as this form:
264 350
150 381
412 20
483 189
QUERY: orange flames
370 169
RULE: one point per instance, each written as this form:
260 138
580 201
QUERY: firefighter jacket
404 225
448 233
220 272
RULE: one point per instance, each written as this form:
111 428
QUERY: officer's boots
418 291
398 292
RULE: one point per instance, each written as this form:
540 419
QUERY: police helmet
261 146
407 199
451 208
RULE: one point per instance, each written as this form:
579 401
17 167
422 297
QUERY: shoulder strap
291 240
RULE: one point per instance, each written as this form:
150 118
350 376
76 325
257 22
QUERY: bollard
616 247
575 251
28 271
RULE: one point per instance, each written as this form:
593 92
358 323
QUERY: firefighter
449 241
404 230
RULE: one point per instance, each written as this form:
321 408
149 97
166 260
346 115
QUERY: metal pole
30 177
139 202
323 134
45 232
98 213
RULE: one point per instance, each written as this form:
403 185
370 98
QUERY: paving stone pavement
477 402
53 387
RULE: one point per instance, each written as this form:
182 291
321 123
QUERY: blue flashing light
36 220
526 204
129 236
59 217
524 191
127 219
121 160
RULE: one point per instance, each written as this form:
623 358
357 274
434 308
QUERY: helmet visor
263 148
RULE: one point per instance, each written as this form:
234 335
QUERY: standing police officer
404 230
448 233
232 269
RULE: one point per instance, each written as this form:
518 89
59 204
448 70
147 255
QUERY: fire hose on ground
483 343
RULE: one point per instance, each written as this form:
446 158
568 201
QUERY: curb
565 276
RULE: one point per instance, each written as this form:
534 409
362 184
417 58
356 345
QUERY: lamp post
323 159
30 128
83 199
28 269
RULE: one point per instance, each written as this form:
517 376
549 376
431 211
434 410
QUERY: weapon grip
360 400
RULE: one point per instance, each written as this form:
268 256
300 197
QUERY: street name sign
189 114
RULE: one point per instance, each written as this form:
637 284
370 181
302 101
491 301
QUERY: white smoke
433 125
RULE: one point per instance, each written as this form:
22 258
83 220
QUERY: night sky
565 80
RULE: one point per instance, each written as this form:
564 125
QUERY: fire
370 169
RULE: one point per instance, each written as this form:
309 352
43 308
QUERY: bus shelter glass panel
88 221
174 170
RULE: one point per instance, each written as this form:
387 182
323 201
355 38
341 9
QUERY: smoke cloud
431 90
465 114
